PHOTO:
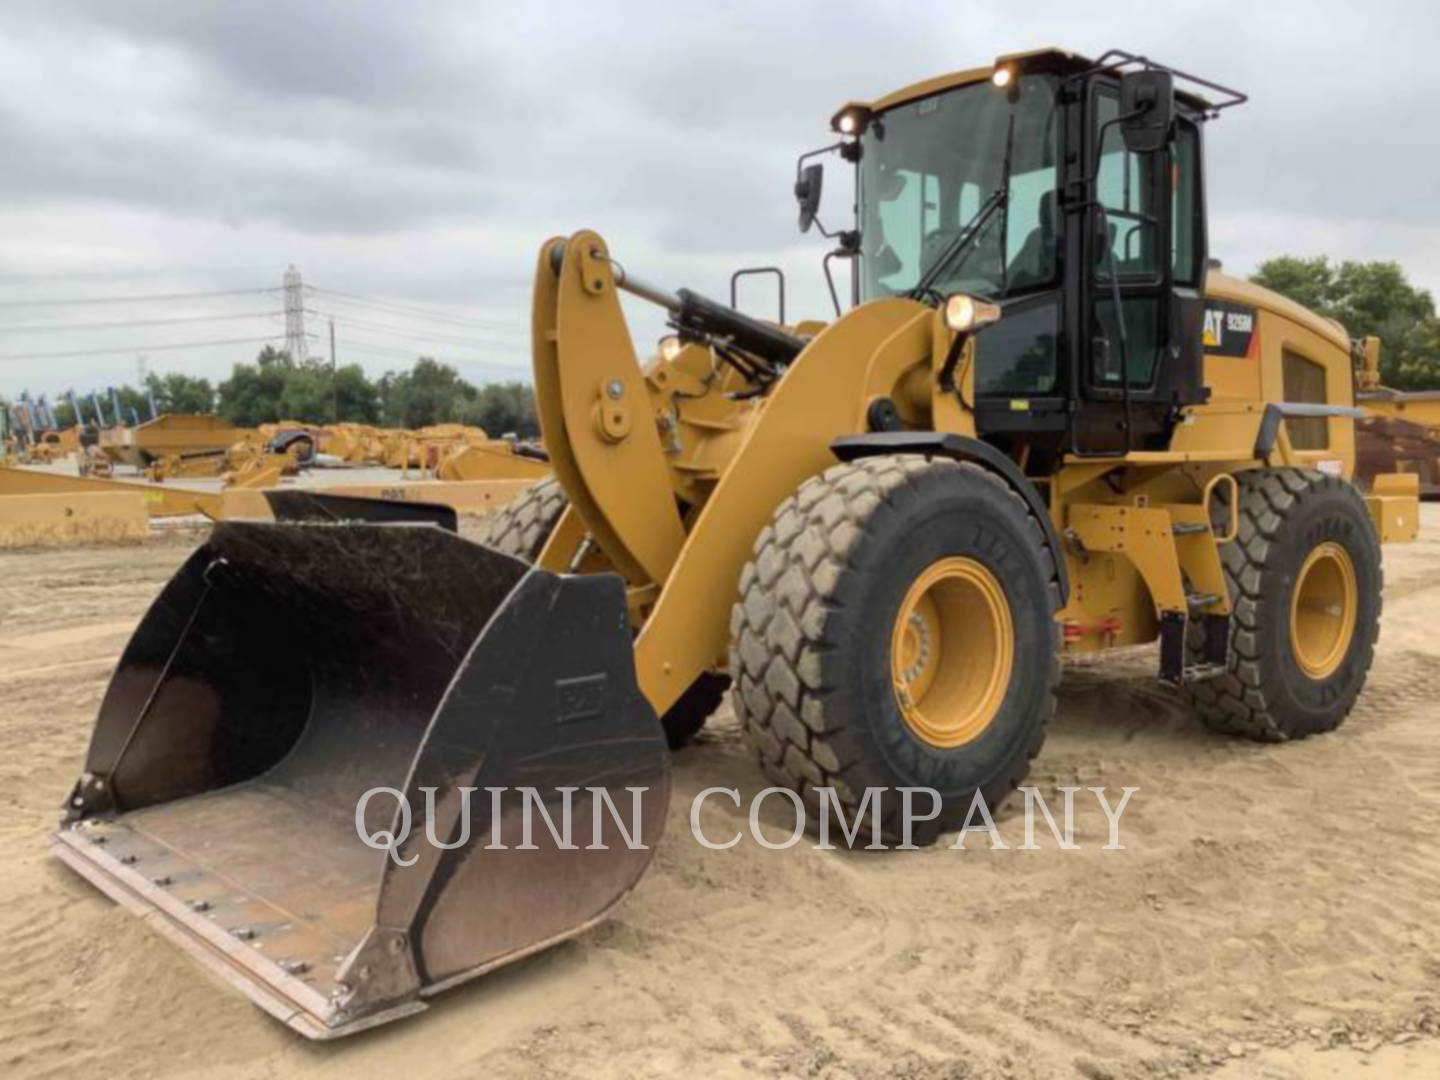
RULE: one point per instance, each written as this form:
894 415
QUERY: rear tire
1296 663
821 618
521 527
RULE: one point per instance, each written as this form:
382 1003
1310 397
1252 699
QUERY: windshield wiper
997 200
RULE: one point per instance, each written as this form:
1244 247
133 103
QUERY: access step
1189 528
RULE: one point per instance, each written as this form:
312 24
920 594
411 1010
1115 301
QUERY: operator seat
1034 263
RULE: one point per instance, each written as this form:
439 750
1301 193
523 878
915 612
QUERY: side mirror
807 193
1147 105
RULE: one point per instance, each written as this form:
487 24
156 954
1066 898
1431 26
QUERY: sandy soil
1274 912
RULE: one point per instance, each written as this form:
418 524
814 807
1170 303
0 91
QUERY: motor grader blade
288 669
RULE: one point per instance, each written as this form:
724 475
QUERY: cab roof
1049 58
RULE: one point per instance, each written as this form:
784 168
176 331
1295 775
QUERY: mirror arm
848 248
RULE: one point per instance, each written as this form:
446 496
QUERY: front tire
896 629
1305 581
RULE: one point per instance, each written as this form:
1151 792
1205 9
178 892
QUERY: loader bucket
287 670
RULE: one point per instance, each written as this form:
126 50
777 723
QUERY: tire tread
780 621
1237 702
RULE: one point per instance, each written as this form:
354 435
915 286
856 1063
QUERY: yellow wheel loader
1046 425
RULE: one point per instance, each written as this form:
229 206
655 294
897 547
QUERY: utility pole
295 343
334 382
142 372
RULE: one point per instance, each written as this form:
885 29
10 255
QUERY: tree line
275 387
1367 298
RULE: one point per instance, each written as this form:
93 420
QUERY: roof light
1003 76
851 120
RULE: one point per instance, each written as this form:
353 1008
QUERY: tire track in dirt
1264 893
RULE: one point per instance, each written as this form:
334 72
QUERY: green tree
429 393
503 408
1367 298
176 393
305 394
358 398
134 405
252 394
64 414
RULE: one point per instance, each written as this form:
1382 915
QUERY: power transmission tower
295 341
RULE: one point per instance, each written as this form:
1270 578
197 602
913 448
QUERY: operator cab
1068 192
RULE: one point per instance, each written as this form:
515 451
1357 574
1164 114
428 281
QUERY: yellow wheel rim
952 652
1323 610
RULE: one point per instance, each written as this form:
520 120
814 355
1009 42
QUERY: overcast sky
418 153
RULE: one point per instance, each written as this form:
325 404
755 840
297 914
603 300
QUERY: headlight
671 347
965 314
1002 77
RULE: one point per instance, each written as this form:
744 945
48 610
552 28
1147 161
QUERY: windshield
927 168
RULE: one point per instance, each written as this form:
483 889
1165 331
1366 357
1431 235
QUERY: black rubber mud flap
1172 647
290 669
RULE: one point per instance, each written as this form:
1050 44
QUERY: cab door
1143 303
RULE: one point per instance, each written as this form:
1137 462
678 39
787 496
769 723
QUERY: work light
965 313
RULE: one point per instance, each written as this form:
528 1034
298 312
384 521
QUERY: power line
138 348
409 309
75 300
31 328
411 354
407 332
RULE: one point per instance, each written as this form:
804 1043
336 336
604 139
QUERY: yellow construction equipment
255 457
1400 432
424 447
1046 425
354 444
80 517
160 500
492 460
473 497
52 446
169 434
448 451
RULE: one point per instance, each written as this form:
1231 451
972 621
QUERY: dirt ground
1273 914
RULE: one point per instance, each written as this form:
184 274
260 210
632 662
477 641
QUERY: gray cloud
421 151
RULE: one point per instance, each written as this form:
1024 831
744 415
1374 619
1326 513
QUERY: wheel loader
1047 424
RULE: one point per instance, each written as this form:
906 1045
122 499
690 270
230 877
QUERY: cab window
1185 204
926 169
1125 187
